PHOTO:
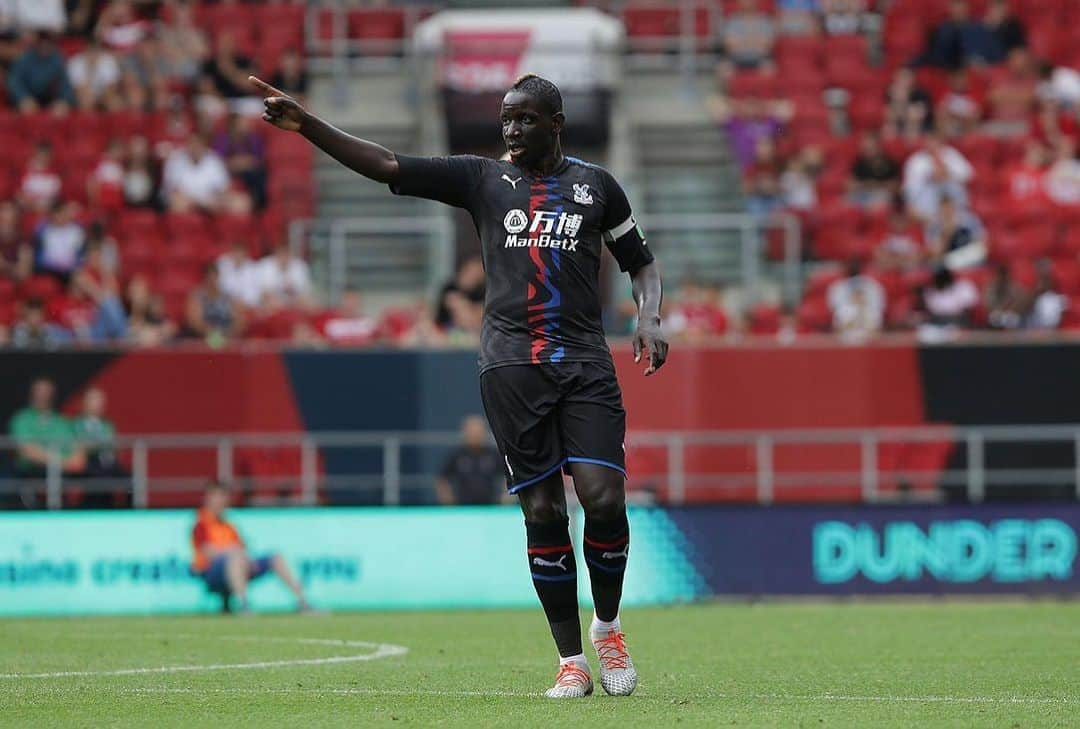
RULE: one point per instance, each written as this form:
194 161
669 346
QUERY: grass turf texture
956 664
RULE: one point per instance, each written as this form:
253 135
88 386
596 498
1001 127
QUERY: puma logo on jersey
616 555
514 182
557 563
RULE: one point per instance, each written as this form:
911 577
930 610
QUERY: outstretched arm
648 339
367 158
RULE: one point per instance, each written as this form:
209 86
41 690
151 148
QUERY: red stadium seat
754 84
794 52
382 24
764 319
138 223
813 316
181 224
40 287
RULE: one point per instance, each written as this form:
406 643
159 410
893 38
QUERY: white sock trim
579 660
600 626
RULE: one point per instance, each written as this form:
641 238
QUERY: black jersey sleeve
452 180
622 234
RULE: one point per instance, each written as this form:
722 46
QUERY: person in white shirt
857 303
95 74
949 302
284 280
935 172
49 15
239 275
60 241
1062 180
195 177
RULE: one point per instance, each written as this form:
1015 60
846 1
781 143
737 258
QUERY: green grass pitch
881 664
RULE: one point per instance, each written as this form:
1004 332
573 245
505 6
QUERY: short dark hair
542 89
215 485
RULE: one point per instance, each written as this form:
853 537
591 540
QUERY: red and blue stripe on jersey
544 296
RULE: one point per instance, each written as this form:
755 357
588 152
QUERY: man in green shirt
107 485
39 430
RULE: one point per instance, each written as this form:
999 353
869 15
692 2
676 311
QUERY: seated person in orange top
221 558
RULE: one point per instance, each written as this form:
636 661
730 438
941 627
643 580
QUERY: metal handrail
762 475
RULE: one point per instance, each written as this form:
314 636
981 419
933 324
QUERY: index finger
264 87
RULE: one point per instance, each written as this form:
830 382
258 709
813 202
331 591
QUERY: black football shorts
546 416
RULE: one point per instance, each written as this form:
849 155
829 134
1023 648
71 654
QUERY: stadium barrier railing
765 467
332 242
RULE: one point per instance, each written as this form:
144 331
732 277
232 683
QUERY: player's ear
558 119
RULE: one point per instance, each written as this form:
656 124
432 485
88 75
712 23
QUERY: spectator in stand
875 176
797 182
948 304
472 474
38 78
148 323
1012 96
857 303
1062 182
41 184
956 238
120 28
39 432
908 107
844 17
347 324
1005 28
1047 304
1024 179
961 40
105 186
747 121
240 275
901 249
761 182
92 309
960 108
145 77
10 46
292 76
244 152
935 172
195 177
698 313
209 105
463 293
59 242
748 36
211 314
1004 299
1062 84
284 280
95 76
16 253
184 45
229 68
39 15
1051 122
32 330
798 17
140 178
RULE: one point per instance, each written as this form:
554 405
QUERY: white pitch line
357 691
382 650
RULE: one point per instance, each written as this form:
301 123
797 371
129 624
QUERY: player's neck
548 164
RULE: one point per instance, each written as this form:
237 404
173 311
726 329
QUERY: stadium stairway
388 267
684 167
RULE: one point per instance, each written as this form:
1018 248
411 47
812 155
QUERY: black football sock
554 575
607 544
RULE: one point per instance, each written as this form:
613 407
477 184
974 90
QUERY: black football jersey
542 239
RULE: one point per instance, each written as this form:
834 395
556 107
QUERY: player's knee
607 501
543 512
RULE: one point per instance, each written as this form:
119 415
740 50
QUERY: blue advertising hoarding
347 558
836 550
